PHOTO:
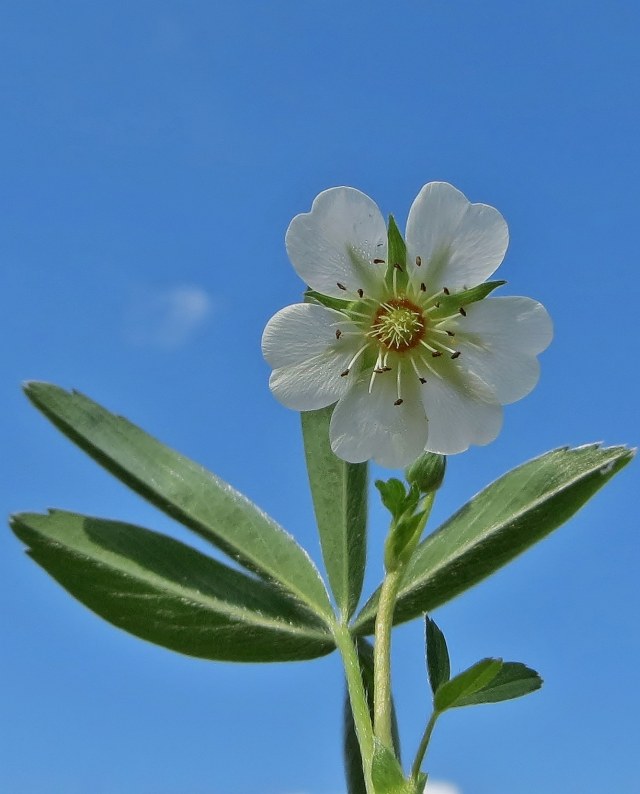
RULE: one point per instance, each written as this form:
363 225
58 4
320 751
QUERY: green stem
357 698
424 743
382 709
382 657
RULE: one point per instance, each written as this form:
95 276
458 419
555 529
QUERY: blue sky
153 154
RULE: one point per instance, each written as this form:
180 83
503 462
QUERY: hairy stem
382 658
357 698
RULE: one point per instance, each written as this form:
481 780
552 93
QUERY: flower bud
427 473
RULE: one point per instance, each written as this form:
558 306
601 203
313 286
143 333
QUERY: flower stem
424 743
357 698
382 707
382 657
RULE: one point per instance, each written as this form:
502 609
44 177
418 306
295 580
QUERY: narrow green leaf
396 273
170 594
438 665
513 681
453 692
311 296
502 521
339 491
448 304
352 758
185 491
386 772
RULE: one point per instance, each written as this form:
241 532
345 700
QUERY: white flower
414 357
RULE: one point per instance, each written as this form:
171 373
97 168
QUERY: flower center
398 325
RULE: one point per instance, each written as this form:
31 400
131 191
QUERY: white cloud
439 787
166 319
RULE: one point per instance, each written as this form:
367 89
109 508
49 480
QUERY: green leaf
170 594
185 491
396 273
438 665
352 758
386 772
502 521
339 491
453 692
393 495
513 681
448 304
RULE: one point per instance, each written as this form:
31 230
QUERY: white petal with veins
517 323
460 244
369 425
337 242
303 330
461 412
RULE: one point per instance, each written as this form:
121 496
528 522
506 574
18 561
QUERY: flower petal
299 332
458 243
510 375
369 425
312 384
308 358
337 242
460 410
517 323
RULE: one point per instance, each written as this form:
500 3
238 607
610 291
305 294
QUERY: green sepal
401 540
452 694
514 680
438 664
427 472
396 259
311 296
386 772
449 304
421 782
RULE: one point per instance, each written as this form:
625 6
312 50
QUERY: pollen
398 325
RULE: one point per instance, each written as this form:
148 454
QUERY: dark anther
386 369
342 286
378 371
462 311
399 401
418 261
423 287
378 261
338 333
422 380
437 305
361 293
397 266
456 354
342 374
436 354
446 291
450 333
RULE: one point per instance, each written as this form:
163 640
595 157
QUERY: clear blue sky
152 155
